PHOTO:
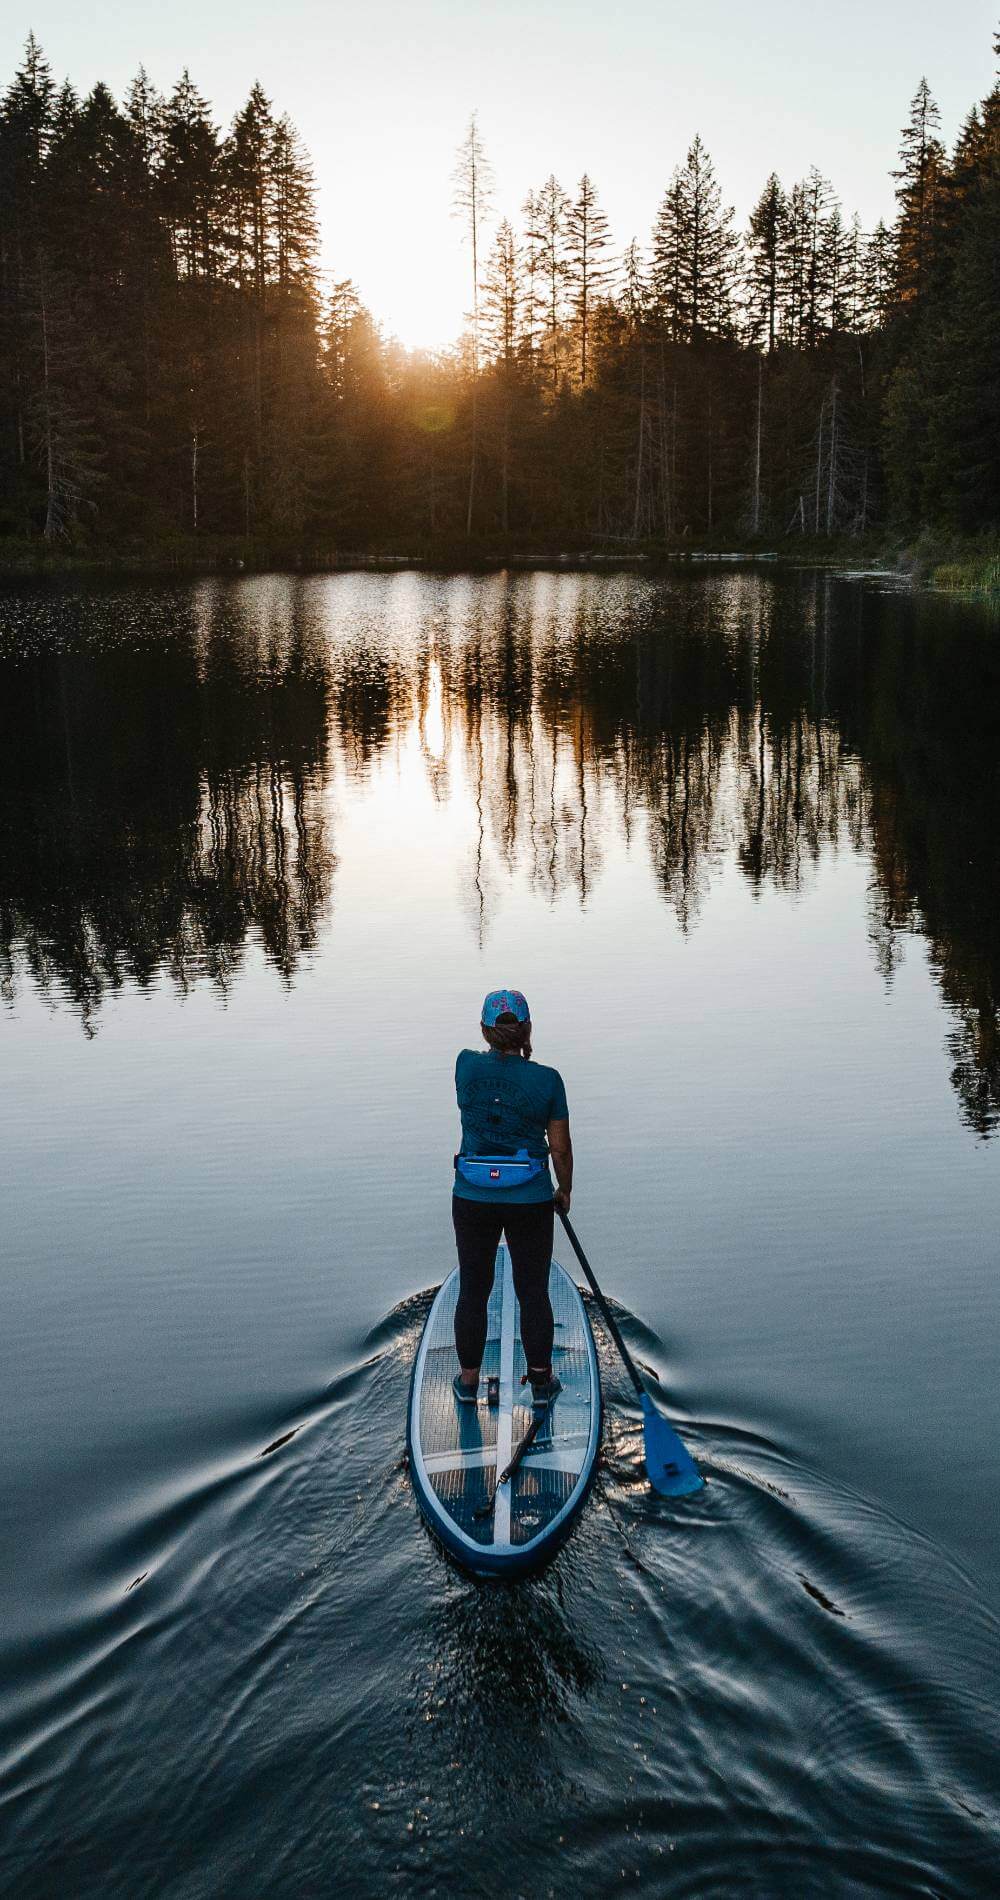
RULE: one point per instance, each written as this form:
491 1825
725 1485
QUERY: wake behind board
456 1451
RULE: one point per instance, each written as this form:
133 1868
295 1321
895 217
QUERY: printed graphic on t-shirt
498 1114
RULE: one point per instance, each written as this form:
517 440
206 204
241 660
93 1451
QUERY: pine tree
958 182
190 190
817 207
794 241
531 279
587 270
29 110
834 273
961 370
190 182
501 319
249 188
151 273
694 253
667 275
26 127
344 309
918 189
852 278
291 438
878 277
144 109
63 271
249 197
765 240
635 288
548 234
89 175
501 298
292 195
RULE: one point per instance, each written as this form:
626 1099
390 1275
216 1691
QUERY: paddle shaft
609 1318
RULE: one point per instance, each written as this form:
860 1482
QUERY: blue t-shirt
506 1104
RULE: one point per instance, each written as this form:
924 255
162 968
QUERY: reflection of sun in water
432 724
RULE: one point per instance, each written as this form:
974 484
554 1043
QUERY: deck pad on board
457 1450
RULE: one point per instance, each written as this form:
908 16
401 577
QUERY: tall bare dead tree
473 180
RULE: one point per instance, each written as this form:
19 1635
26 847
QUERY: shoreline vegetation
977 574
183 387
953 566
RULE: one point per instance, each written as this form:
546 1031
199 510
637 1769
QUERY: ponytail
509 1037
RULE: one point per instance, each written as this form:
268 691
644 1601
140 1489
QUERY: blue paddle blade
670 1467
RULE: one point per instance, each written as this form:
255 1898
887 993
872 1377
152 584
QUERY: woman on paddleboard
514 1116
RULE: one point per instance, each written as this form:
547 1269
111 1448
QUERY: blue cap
505 1003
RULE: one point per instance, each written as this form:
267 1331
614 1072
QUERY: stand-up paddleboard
458 1451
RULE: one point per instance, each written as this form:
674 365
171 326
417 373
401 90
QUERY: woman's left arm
561 1149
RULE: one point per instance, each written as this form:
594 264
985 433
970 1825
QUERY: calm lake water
264 843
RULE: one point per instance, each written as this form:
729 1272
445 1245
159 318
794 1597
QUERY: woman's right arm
561 1149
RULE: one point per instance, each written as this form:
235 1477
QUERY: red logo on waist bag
494 1174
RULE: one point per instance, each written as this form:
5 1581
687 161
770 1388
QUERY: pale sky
381 93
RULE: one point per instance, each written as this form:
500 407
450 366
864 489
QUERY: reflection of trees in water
164 800
919 695
647 716
370 697
767 721
161 805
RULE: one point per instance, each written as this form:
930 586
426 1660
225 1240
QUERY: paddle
670 1467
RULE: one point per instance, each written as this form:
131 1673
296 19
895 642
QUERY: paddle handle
609 1318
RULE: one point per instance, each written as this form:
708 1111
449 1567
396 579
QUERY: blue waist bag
498 1171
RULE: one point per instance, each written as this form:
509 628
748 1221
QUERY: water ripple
748 1692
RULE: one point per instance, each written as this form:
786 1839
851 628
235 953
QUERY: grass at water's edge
957 566
980 577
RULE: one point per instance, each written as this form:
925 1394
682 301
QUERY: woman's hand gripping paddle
670 1467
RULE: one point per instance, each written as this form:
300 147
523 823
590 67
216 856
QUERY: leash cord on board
538 1418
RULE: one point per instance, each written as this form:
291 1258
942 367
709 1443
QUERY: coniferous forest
172 367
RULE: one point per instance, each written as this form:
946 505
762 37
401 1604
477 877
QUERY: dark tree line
169 366
158 313
942 411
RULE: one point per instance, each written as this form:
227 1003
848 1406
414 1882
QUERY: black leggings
478 1226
